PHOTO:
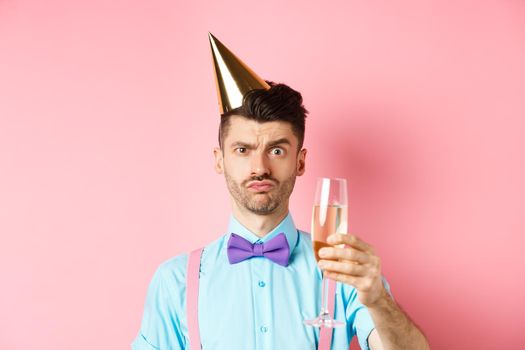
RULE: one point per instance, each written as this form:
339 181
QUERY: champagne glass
329 216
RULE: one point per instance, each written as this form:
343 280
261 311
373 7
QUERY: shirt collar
286 226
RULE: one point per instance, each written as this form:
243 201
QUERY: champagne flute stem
324 309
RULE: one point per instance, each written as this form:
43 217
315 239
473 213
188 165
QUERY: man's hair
279 103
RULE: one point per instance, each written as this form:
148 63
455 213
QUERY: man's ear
301 158
219 165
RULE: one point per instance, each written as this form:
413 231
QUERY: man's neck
260 225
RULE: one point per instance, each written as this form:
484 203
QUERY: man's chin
262 211
261 208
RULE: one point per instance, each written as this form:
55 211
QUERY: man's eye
277 151
241 149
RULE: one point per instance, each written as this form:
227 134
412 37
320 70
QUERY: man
259 300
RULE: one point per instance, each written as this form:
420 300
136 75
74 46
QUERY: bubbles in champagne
325 221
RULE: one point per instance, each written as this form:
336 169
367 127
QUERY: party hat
233 77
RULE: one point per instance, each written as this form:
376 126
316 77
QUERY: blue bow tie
276 249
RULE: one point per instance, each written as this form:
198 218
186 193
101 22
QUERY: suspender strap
192 298
326 334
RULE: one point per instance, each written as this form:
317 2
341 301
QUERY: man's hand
356 264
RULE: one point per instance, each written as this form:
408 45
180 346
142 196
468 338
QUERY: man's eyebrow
281 141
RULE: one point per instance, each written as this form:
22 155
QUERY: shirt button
264 329
261 284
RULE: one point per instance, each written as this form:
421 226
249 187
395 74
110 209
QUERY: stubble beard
260 203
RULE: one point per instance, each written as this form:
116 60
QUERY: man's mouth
260 186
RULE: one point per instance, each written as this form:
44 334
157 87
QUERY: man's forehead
241 124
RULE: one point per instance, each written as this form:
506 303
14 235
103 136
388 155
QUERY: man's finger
351 240
346 279
350 254
343 267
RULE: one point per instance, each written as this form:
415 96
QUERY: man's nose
259 164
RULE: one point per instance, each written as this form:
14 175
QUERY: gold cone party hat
233 77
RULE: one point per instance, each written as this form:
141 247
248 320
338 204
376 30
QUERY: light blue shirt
255 304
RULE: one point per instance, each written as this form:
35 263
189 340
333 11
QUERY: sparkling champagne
329 216
325 221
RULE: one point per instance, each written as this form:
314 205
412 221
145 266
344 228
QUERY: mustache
261 178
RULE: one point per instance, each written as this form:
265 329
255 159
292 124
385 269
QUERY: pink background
108 117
